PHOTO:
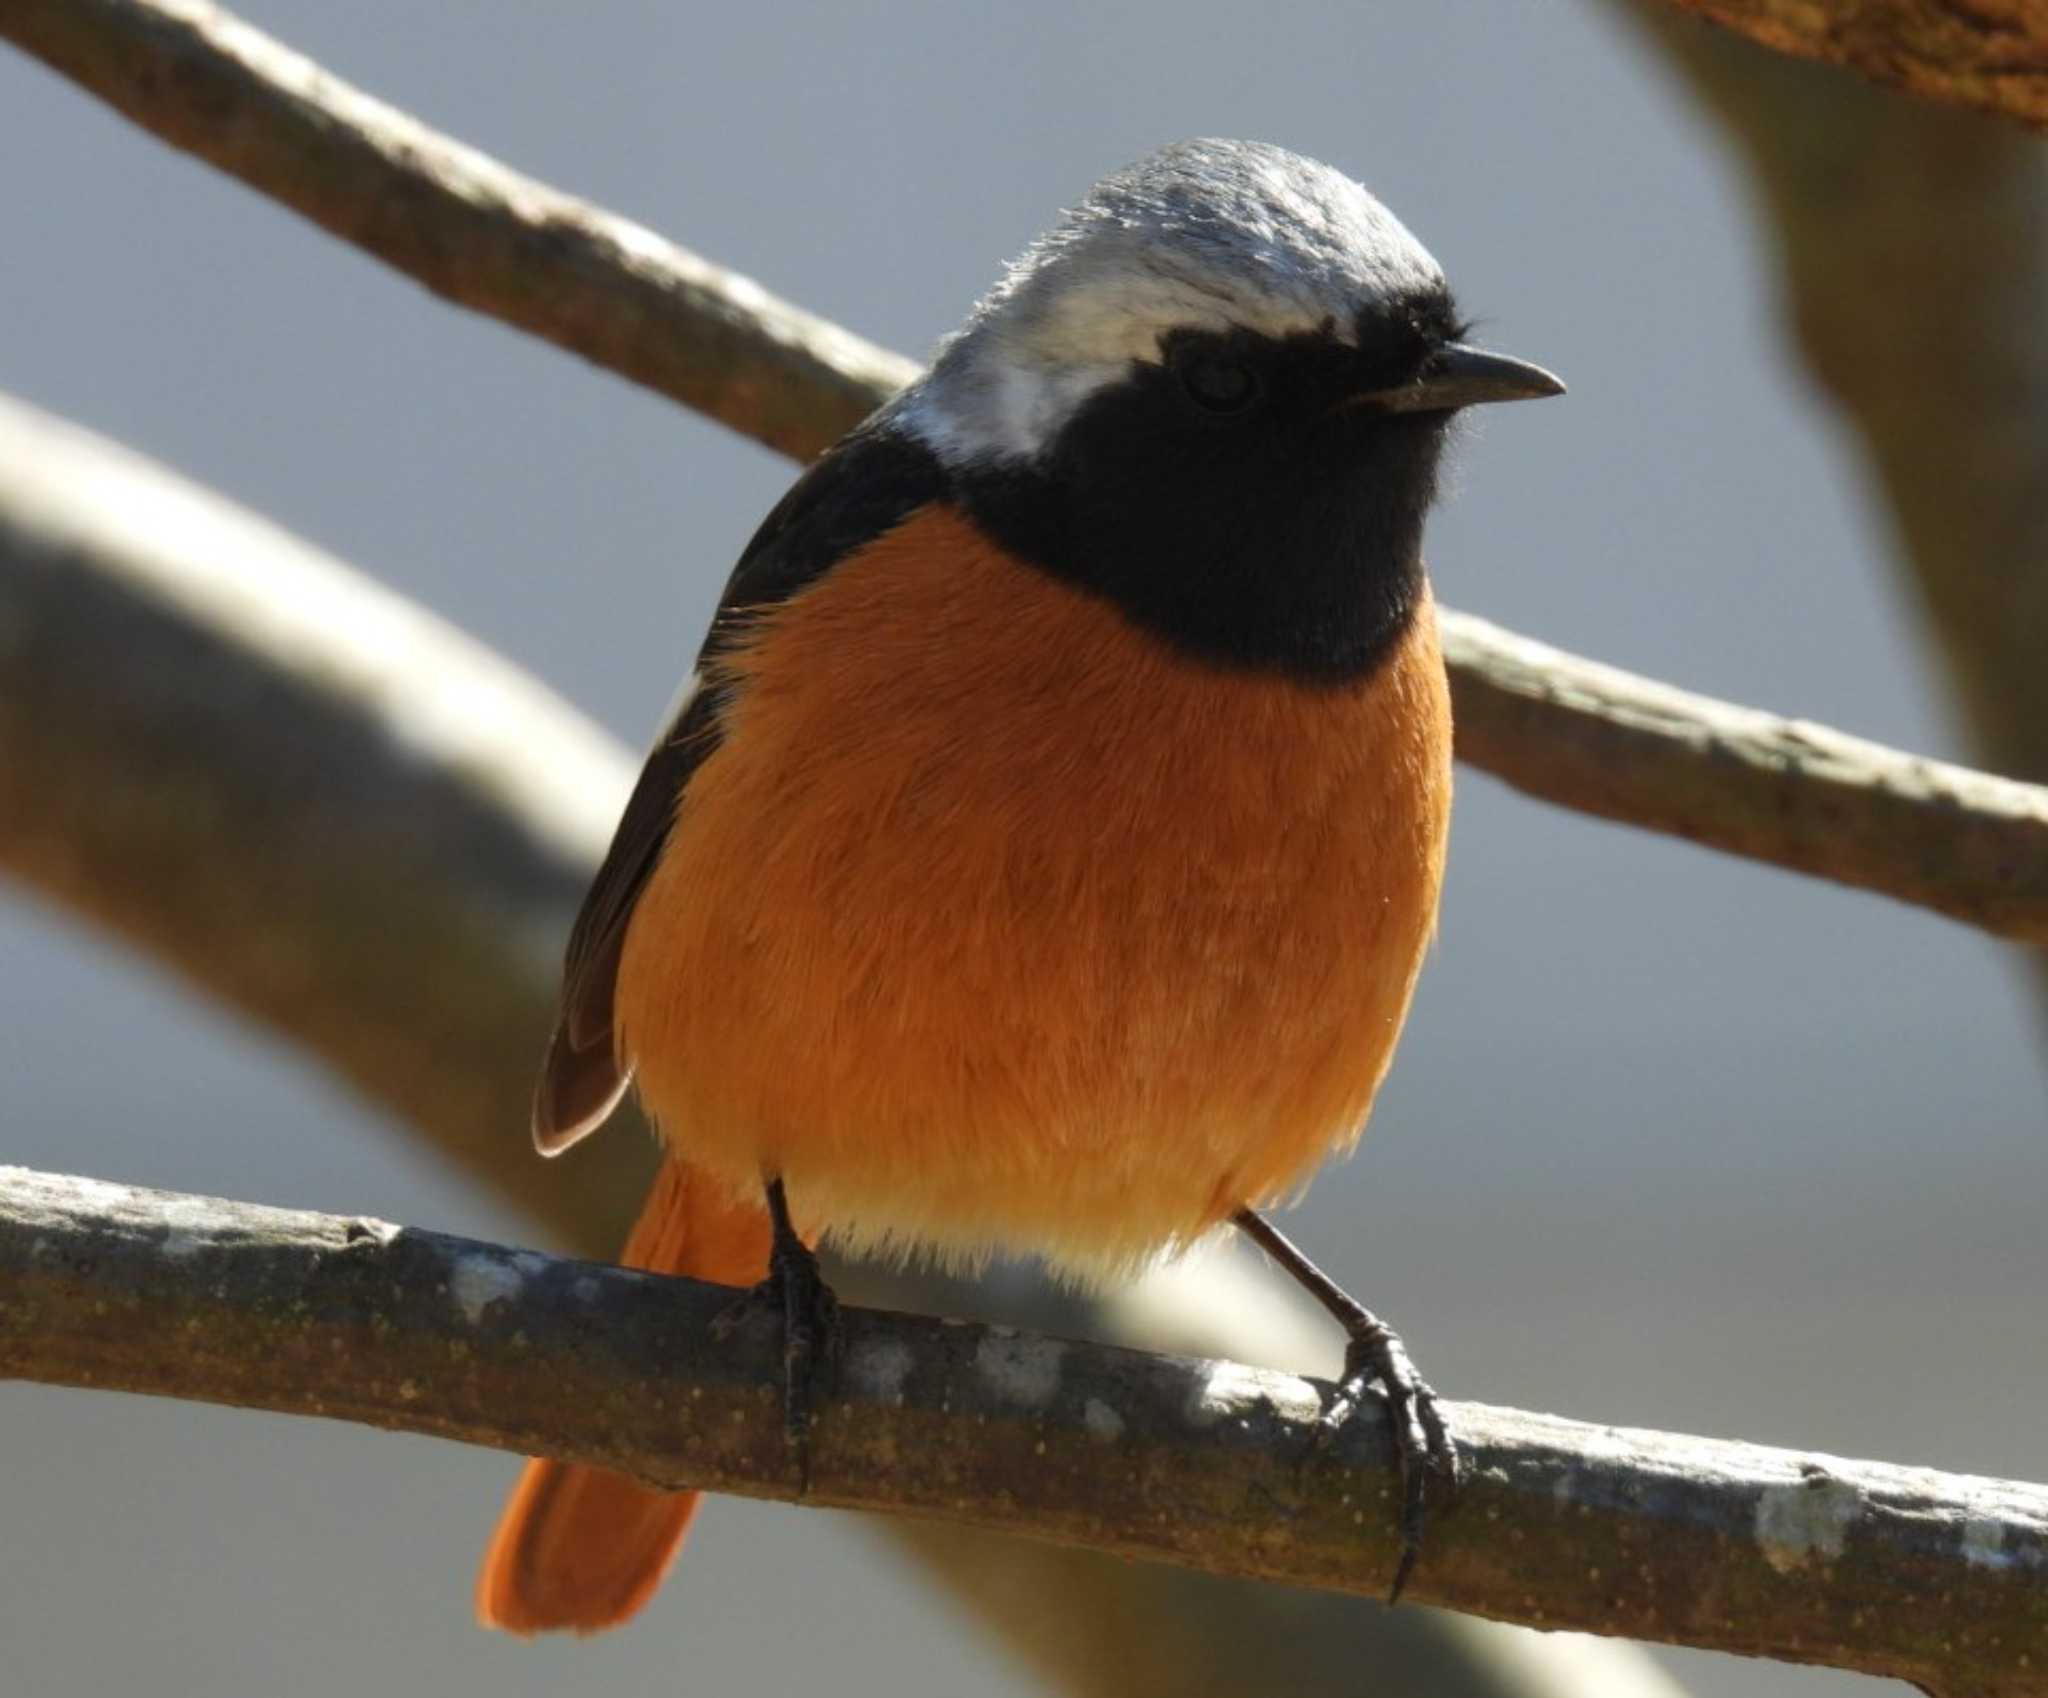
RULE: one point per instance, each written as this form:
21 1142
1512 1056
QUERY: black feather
861 488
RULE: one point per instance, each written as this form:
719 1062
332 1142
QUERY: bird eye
1217 383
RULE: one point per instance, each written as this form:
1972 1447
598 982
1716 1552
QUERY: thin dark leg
795 1290
1422 1441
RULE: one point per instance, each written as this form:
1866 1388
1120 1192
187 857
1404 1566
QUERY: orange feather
993 920
580 1549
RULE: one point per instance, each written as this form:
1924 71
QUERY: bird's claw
796 1294
1424 1449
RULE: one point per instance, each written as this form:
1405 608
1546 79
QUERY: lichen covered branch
1929 1577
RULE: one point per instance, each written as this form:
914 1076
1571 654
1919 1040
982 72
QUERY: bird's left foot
1424 1450
1423 1447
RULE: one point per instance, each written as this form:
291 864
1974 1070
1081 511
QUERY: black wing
866 484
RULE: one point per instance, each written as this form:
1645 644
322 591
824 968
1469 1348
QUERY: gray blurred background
1673 1141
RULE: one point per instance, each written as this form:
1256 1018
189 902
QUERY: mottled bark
1934 1578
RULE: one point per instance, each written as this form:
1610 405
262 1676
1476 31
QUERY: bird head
1217 391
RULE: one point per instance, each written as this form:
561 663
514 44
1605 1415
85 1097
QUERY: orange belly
994 923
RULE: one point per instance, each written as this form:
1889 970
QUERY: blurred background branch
1602 1529
1912 245
462 224
1991 55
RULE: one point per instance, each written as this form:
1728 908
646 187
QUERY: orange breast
993 921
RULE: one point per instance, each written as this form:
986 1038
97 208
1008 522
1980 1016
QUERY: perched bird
1043 852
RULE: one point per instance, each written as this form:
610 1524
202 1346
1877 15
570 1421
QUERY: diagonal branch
1786 791
460 223
1873 207
1557 727
1935 1578
328 808
1990 55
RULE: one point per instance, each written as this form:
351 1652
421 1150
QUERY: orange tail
578 1548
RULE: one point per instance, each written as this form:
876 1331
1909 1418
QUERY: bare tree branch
1991 55
1096 1626
330 809
1877 207
1934 1578
1567 730
1787 791
460 223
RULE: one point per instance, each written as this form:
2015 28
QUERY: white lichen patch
191 1224
479 1280
1229 1391
1984 1543
879 1368
1104 1424
1806 1520
1022 1370
82 1193
1600 1454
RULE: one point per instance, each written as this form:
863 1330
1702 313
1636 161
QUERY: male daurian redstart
1042 855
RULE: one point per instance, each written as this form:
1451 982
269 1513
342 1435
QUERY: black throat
1228 500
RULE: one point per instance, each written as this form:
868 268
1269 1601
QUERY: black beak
1457 376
